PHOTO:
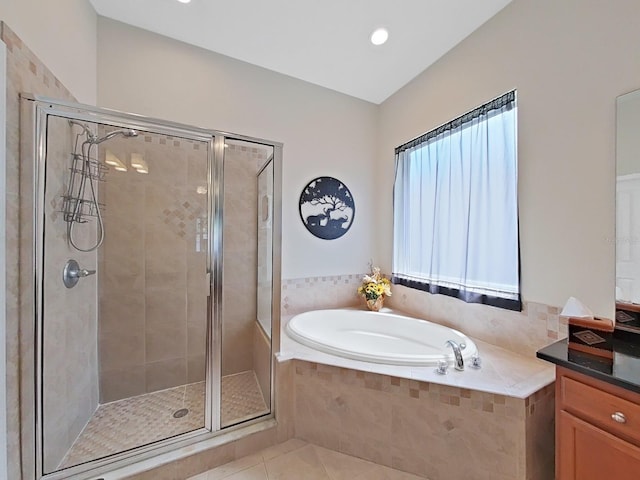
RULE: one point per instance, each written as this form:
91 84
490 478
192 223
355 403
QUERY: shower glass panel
156 269
124 340
247 281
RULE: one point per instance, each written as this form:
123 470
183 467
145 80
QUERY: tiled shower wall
240 255
153 287
70 324
521 332
25 73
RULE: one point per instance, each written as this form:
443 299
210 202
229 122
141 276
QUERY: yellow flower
374 285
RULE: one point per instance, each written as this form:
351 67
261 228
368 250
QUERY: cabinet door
585 452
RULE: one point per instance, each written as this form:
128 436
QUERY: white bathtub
378 337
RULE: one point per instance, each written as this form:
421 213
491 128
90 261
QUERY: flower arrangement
375 287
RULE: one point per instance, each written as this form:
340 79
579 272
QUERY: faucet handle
442 367
476 361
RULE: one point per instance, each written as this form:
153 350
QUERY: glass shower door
125 291
156 250
247 281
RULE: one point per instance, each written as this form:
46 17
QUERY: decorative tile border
293 283
313 293
500 405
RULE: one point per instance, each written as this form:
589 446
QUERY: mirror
627 211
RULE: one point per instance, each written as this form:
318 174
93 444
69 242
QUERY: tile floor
242 398
299 460
124 424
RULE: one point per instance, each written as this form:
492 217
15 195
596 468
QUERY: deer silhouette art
314 220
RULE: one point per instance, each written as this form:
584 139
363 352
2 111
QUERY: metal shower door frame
35 111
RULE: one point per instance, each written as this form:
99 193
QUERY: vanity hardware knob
619 417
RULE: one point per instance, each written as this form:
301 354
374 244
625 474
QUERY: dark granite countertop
623 371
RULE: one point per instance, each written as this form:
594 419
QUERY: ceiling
325 42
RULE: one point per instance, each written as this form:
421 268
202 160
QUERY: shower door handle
72 273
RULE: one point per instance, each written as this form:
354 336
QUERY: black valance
508 100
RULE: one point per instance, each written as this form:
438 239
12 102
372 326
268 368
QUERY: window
456 208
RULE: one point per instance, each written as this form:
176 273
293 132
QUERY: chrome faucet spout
458 362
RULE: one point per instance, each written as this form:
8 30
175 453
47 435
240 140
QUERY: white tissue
575 308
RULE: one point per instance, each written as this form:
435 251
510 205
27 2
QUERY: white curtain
455 209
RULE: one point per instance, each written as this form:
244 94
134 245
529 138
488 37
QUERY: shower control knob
72 273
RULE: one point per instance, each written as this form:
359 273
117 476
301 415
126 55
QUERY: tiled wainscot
431 430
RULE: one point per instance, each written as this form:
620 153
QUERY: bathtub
379 337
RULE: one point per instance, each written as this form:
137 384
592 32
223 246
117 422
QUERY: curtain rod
503 100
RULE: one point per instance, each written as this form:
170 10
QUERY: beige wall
324 133
62 34
569 61
153 288
570 56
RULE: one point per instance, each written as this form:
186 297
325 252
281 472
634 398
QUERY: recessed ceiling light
379 36
184 1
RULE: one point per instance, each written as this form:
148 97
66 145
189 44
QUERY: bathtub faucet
457 352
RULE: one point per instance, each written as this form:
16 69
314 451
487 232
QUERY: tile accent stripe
401 387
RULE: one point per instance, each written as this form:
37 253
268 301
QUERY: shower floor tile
124 424
296 459
241 398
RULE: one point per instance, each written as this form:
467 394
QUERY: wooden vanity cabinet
597 429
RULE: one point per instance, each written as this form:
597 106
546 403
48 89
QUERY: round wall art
327 208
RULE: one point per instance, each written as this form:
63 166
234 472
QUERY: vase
375 305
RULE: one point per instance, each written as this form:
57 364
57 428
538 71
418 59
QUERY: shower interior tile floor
297 460
131 422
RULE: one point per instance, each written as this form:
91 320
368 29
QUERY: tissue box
591 335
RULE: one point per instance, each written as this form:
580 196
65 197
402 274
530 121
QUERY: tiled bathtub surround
521 332
503 372
314 293
431 430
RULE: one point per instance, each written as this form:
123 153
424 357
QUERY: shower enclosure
156 257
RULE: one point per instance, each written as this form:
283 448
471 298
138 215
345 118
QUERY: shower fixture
125 132
77 206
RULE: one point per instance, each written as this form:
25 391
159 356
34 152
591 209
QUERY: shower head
128 132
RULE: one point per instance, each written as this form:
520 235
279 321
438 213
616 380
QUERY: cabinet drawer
612 413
